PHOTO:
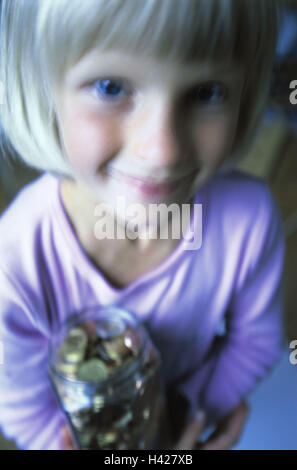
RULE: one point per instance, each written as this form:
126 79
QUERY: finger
67 442
192 432
229 431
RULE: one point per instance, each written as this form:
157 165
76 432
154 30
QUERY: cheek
214 139
88 139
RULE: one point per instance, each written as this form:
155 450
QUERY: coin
85 439
109 417
122 446
110 327
92 370
102 353
117 350
146 413
106 439
67 369
124 420
133 341
74 346
98 403
90 328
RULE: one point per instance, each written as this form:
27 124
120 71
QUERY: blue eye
210 93
110 89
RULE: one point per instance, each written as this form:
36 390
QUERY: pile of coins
108 385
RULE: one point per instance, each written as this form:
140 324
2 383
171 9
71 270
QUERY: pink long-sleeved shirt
215 313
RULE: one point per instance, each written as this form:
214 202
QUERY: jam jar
105 372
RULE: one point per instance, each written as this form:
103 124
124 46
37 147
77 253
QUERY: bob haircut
41 39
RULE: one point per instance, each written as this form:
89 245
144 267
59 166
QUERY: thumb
192 432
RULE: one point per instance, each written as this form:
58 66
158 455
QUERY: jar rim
73 320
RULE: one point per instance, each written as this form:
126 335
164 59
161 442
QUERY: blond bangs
180 30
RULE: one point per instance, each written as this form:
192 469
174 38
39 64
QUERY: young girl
149 101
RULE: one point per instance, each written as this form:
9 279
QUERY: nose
155 135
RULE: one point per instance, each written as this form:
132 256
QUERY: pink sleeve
29 413
254 337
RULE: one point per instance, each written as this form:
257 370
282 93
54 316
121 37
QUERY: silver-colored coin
122 446
85 439
141 444
146 413
77 422
133 341
92 370
102 353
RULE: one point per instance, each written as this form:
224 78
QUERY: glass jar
106 374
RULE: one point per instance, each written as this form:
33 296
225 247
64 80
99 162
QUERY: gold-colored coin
117 350
98 403
110 328
74 346
67 369
106 438
90 329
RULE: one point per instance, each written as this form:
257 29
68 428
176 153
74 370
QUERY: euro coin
92 370
124 420
74 346
90 328
98 403
106 439
133 341
117 350
109 328
67 369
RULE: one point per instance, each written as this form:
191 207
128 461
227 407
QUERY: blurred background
273 419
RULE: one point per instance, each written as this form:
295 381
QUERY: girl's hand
224 437
67 442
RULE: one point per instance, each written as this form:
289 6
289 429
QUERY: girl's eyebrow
94 66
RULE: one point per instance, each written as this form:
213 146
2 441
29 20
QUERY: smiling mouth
149 187
148 181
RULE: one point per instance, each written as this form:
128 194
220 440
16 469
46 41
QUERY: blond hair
41 39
